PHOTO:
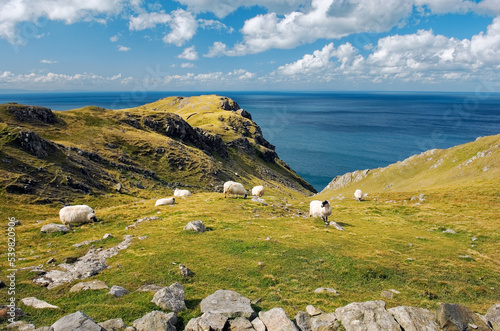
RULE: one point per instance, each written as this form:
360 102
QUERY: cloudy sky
215 45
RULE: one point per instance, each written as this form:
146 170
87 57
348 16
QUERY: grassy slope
388 242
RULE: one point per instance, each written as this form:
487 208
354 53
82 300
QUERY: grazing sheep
358 194
181 193
234 188
77 214
258 191
321 209
165 201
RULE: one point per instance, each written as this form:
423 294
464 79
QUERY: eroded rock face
228 303
32 143
32 113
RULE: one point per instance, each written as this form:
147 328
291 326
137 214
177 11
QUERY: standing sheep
358 194
234 188
258 191
181 193
77 214
321 209
165 201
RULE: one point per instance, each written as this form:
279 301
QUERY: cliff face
197 142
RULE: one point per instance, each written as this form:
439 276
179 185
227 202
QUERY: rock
228 303
6 312
493 317
118 187
258 325
107 235
212 321
313 311
70 259
83 243
37 146
457 317
193 325
92 285
197 226
277 320
185 271
156 321
387 294
149 288
116 324
370 315
43 328
414 319
326 290
336 225
325 322
303 321
171 298
32 113
118 291
241 324
53 227
76 322
20 326
51 260
36 303
259 200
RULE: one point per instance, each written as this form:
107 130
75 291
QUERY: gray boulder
414 319
303 321
171 298
313 311
156 321
493 317
20 326
92 285
258 325
53 228
197 226
451 317
370 315
116 324
118 291
36 303
325 322
241 324
277 320
76 322
212 321
228 303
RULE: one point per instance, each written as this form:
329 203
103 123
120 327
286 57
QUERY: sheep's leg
325 219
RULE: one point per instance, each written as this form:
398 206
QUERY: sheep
165 201
321 209
181 193
234 188
258 191
359 195
77 214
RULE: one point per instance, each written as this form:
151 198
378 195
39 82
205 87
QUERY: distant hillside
199 142
465 165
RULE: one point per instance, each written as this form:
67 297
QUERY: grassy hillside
276 253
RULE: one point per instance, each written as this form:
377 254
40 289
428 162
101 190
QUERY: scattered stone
259 200
107 235
313 311
53 228
196 226
20 326
493 317
171 298
336 225
276 319
212 321
118 188
184 270
326 290
451 231
228 303
149 288
303 321
36 303
325 322
370 315
193 325
414 319
92 285
241 324
387 294
86 266
76 322
156 321
258 325
118 291
116 324
458 317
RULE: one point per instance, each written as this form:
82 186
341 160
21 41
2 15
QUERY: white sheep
358 194
258 191
321 209
181 193
165 201
234 188
77 214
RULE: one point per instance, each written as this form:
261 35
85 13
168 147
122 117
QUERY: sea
325 134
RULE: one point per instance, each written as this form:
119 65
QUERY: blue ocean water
325 134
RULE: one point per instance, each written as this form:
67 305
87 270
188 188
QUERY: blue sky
203 45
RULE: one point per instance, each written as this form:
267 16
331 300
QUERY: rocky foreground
228 310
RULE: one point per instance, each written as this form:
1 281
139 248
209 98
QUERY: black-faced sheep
77 214
165 201
321 209
234 188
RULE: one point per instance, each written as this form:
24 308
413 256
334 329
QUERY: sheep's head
91 217
324 203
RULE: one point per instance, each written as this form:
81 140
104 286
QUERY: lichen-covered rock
414 319
156 321
303 321
171 298
325 322
92 285
76 322
277 320
53 227
370 315
197 226
228 303
240 324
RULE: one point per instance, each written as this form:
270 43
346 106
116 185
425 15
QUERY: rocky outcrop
32 143
25 113
346 179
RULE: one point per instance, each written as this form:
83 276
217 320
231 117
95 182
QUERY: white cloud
214 78
46 61
123 48
189 53
187 65
115 38
310 63
37 12
214 25
148 21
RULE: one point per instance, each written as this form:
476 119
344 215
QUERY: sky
254 45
